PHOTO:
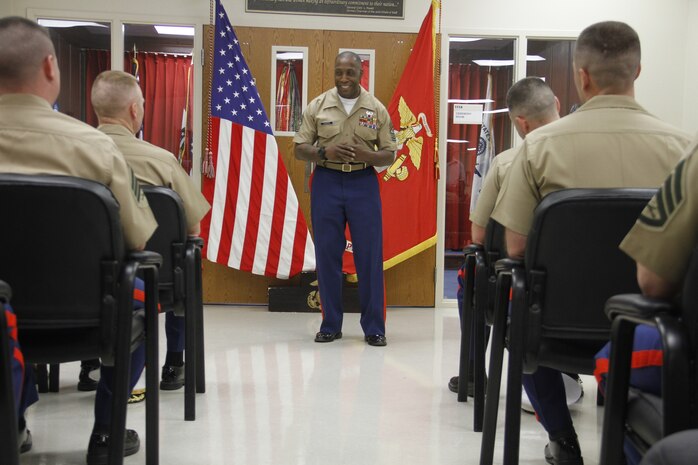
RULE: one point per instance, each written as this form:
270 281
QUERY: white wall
690 95
670 46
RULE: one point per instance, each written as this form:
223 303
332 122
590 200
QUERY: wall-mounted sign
467 113
376 8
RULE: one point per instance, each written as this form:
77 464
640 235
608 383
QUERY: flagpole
207 157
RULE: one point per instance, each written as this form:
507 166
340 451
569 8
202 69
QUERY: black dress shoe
25 440
453 386
564 451
377 340
327 337
98 450
172 378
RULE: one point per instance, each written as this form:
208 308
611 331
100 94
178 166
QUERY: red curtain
96 61
469 81
164 80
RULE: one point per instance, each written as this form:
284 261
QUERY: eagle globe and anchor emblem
410 127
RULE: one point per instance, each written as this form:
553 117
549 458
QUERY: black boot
85 383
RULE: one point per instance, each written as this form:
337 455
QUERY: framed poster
373 8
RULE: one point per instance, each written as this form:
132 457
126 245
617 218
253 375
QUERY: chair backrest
169 240
494 241
573 262
689 302
62 245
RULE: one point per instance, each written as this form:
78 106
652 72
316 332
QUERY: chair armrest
636 306
196 240
146 258
472 248
507 264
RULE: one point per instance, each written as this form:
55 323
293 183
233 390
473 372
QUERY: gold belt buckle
346 168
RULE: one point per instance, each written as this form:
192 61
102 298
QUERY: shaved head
23 47
113 92
532 98
610 52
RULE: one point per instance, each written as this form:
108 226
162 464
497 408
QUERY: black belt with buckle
344 167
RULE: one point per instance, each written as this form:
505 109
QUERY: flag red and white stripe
255 223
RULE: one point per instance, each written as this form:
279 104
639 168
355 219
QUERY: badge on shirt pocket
368 120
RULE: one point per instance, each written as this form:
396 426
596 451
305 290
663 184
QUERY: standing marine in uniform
118 102
34 139
346 131
610 141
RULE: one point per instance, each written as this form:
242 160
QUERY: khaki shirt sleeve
136 217
519 195
307 133
666 232
195 204
488 196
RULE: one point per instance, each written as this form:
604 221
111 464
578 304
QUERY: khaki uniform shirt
34 139
158 167
326 122
609 142
491 187
666 232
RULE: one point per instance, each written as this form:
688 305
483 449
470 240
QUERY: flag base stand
305 297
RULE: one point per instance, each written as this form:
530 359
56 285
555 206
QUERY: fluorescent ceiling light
175 30
534 58
464 39
64 23
473 100
289 56
456 141
506 62
501 110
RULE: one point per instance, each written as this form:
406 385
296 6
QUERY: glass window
289 88
83 51
551 59
160 56
481 70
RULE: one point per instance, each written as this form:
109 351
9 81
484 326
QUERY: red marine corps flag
408 186
255 223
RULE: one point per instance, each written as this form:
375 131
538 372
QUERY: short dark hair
23 46
610 52
531 98
349 54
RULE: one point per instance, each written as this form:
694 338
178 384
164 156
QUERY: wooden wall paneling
409 283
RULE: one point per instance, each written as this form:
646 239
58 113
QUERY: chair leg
479 369
53 377
41 374
512 425
466 315
200 354
496 357
190 365
152 431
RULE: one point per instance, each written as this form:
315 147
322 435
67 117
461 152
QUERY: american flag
255 223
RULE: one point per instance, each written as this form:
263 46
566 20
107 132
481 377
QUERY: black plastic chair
180 284
645 418
477 312
9 452
572 266
73 280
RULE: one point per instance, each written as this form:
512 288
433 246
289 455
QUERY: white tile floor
275 397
